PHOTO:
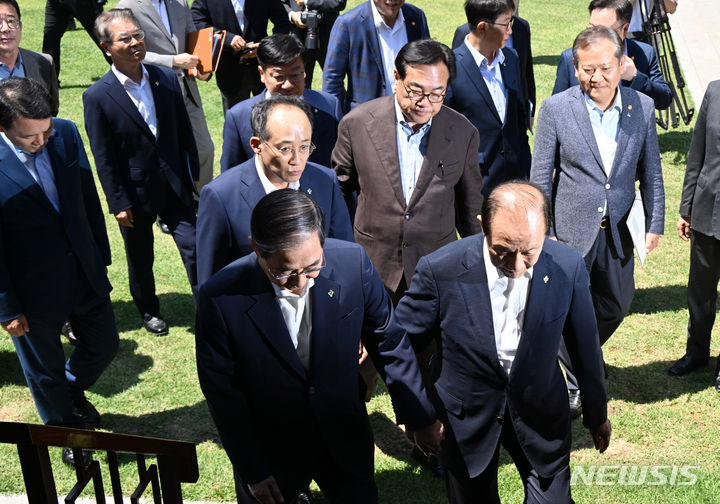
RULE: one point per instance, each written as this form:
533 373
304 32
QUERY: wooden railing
176 462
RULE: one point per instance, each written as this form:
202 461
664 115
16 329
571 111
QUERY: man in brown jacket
413 163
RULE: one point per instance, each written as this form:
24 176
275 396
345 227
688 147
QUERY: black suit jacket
38 67
521 44
135 169
221 15
449 301
701 188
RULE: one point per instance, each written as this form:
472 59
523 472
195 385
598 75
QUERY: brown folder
206 44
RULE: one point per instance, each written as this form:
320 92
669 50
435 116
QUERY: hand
428 438
204 76
651 241
629 71
197 185
362 354
125 218
237 43
185 61
16 327
601 436
252 53
267 491
296 17
683 227
301 3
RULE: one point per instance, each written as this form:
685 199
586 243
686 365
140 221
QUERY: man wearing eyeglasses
17 62
145 156
278 333
488 91
640 69
281 143
413 163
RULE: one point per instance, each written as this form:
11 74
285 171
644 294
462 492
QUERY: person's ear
255 144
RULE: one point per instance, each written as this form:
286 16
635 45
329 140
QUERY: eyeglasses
508 26
418 95
604 70
11 22
138 35
288 152
306 272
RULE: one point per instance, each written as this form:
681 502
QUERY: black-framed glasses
418 95
508 25
138 35
11 22
307 271
288 152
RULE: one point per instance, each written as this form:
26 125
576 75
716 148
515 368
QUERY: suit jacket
161 46
41 249
447 195
504 152
273 416
449 301
701 188
221 15
41 69
227 202
521 44
565 144
354 51
237 131
649 79
135 169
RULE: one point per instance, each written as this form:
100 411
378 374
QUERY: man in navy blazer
227 202
54 251
278 333
593 142
355 49
488 91
640 71
498 306
282 70
145 156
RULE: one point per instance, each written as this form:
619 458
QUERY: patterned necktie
46 179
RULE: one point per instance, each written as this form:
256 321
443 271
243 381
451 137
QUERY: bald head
515 219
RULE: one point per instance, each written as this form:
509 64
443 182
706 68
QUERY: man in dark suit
413 163
363 45
640 69
17 62
592 143
54 251
698 224
236 75
278 333
487 90
328 11
282 126
145 156
498 305
520 41
281 66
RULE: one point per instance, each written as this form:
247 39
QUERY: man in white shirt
498 305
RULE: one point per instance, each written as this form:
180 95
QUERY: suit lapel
327 310
372 37
629 123
382 130
467 62
440 136
252 189
411 25
582 118
117 93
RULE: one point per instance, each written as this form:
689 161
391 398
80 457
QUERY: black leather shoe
85 410
163 227
575 404
67 331
685 365
717 374
155 324
430 462
68 457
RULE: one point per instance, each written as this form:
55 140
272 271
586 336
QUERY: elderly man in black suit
698 223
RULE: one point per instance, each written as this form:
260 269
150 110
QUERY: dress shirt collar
379 22
617 103
267 185
403 123
481 60
127 81
17 71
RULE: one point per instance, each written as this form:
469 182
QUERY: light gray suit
161 48
568 167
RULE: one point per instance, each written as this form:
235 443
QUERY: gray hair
102 22
262 109
594 34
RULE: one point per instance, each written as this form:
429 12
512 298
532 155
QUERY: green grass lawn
151 388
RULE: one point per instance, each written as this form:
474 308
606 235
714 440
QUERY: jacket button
600 209
405 245
311 390
500 418
407 216
607 186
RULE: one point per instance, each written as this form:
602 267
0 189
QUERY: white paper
636 226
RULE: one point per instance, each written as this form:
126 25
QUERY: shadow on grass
664 298
124 371
178 309
10 370
551 59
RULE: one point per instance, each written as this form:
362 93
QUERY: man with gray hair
278 333
593 142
